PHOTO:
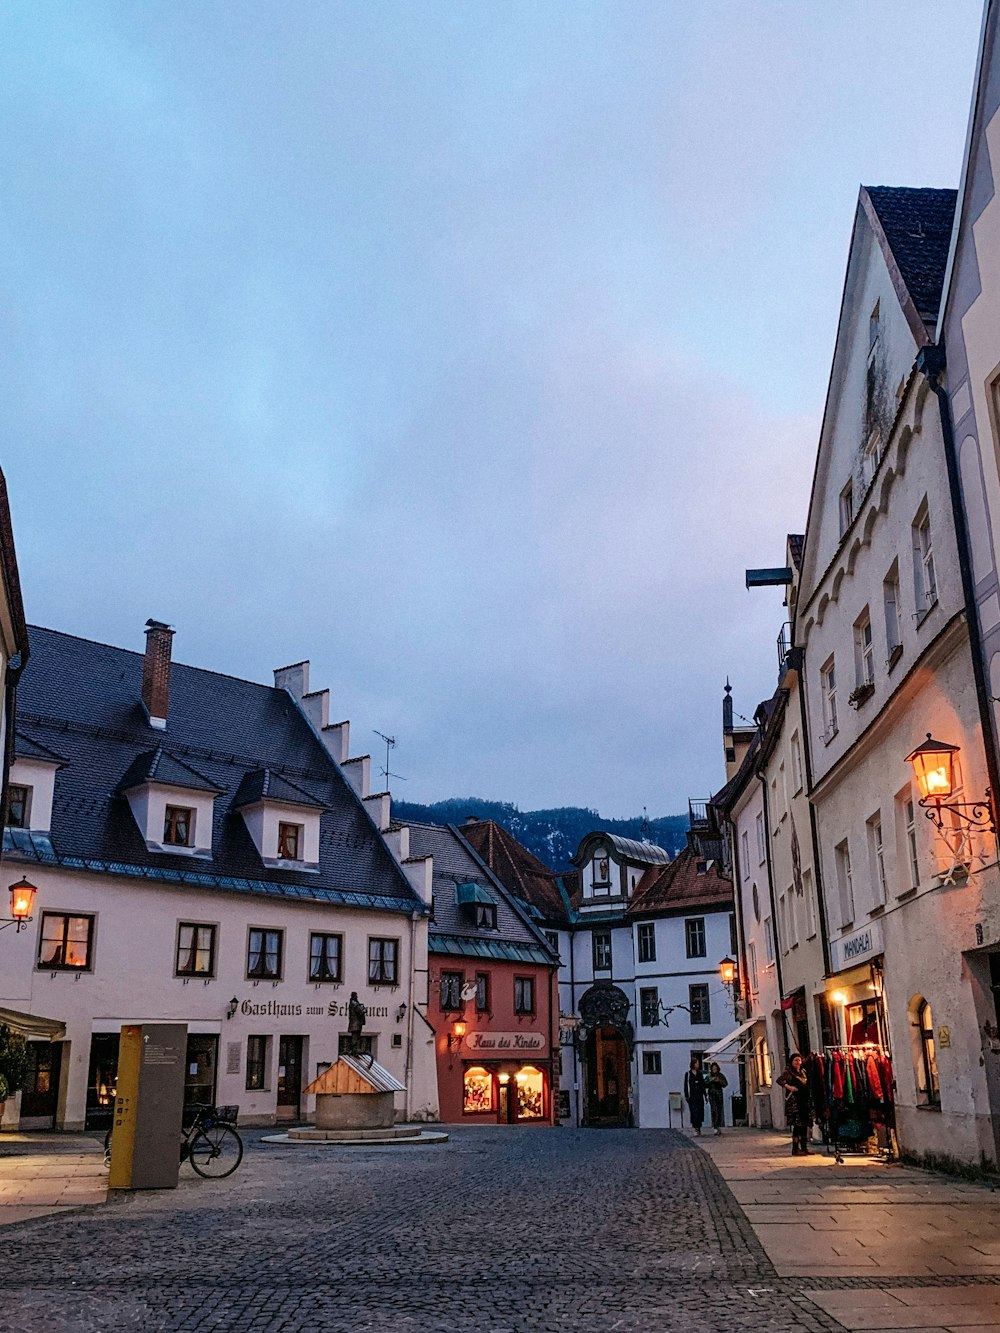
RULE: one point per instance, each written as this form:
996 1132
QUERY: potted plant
860 693
14 1063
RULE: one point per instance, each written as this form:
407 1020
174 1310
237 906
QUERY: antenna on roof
390 744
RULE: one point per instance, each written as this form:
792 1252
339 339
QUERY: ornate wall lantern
22 899
934 768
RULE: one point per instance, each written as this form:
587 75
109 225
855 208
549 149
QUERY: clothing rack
853 1096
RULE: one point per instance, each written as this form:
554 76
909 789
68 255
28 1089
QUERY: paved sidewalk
867 1219
49 1173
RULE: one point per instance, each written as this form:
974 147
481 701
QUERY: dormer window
18 806
486 917
478 902
289 842
178 826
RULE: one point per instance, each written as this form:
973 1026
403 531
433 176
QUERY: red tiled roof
679 886
520 871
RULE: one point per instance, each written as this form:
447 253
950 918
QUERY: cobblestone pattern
505 1230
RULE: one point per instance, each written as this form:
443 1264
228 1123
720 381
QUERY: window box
861 694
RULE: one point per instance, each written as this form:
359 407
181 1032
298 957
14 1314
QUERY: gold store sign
495 1042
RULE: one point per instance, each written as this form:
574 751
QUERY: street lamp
934 768
457 1033
727 971
22 899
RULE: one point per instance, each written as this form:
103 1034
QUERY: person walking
694 1094
798 1107
716 1082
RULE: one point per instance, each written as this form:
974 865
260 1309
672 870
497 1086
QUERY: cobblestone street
499 1229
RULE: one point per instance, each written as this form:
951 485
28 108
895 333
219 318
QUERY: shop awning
735 1035
473 893
32 1025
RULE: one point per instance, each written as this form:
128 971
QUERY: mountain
553 835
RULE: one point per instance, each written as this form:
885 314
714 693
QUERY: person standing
716 1100
798 1107
694 1094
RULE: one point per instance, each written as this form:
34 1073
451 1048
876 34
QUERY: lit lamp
503 1079
934 768
22 900
727 971
457 1033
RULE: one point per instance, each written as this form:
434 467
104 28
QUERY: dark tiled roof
83 699
796 541
679 887
159 766
521 872
917 225
266 785
456 863
27 748
628 849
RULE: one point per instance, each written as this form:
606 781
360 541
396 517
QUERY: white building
204 852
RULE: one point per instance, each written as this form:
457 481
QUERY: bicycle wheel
216 1152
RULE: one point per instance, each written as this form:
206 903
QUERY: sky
470 350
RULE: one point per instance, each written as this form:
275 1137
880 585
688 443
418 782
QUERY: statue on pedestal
356 1015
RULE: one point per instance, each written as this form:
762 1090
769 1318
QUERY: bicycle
209 1141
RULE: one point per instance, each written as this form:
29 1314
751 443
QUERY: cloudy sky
471 350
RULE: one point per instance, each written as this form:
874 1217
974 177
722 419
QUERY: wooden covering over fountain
354 1100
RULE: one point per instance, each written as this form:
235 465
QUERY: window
828 685
761 848
649 1007
529 1084
325 957
383 962
694 937
733 941
486 916
798 780
768 941
66 942
876 854
482 992
477 1091
873 447
783 789
890 604
792 918
782 923
451 990
178 826
18 806
290 842
845 882
809 903
864 654
646 936
256 1064
927 1073
553 938
846 507
873 327
524 995
924 577
752 960
602 950
745 842
264 954
348 1044
195 950
910 836
698 1003
652 1062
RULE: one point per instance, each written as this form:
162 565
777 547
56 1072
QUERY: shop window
764 1076
602 950
652 1062
694 937
649 1007
477 1091
257 1063
326 957
646 938
530 1093
18 806
524 995
178 826
264 955
195 950
451 990
482 992
699 1005
383 962
928 1086
66 943
290 842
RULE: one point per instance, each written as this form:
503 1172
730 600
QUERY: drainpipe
796 660
408 1075
931 364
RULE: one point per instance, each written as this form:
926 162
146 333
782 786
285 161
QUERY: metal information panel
149 1103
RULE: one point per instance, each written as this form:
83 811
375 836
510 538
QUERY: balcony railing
784 644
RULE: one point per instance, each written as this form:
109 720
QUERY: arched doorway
606 1046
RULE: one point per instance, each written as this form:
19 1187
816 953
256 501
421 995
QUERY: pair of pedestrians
699 1087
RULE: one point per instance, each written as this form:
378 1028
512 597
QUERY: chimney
156 673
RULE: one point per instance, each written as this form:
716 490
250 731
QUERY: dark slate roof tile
917 224
160 766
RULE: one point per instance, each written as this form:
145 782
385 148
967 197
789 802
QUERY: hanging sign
496 1042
